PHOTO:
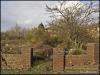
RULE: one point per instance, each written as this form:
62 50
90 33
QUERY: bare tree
72 20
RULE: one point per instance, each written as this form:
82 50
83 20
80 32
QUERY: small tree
41 26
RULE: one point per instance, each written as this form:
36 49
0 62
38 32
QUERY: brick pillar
26 58
58 59
96 53
93 52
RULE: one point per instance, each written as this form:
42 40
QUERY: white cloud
27 21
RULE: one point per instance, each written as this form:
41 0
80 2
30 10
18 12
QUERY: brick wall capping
91 44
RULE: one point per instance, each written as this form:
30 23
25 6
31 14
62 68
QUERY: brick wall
17 61
61 61
72 60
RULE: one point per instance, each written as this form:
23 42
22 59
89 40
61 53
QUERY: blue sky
26 13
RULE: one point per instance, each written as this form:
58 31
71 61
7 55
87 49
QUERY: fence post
31 57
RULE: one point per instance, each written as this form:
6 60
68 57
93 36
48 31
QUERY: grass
83 69
40 67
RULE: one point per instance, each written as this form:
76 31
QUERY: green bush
77 52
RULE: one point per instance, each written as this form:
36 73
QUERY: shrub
76 52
